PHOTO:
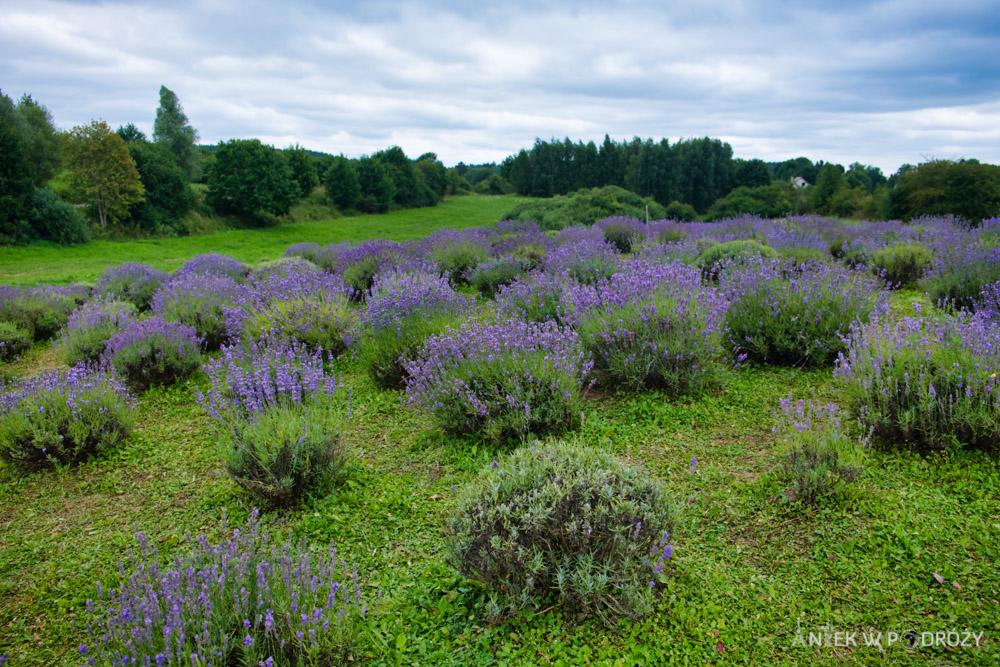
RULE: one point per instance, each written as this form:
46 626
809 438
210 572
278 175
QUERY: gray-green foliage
14 341
286 452
901 265
717 256
566 521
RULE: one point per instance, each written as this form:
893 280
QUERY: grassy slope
62 265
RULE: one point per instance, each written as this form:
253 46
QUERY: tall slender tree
172 129
41 140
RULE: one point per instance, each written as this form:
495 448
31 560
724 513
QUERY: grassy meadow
914 545
61 265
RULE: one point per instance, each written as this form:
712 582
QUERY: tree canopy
102 172
172 129
249 177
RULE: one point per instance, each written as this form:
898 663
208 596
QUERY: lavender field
743 442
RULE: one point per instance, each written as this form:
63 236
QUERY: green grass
58 265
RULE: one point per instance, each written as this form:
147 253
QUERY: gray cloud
882 83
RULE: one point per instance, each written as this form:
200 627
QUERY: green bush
39 311
488 278
13 341
565 522
819 460
286 452
63 418
718 256
360 276
154 352
318 320
457 259
382 352
55 220
586 207
901 265
659 343
90 327
676 210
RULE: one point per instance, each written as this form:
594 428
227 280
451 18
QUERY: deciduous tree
248 177
102 172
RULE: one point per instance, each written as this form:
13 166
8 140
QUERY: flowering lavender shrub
246 601
961 273
279 416
989 302
535 297
622 232
500 380
901 265
215 264
564 521
13 341
40 311
89 327
652 326
587 262
358 266
305 250
403 309
328 256
131 281
319 320
820 460
250 379
926 382
457 258
153 351
205 301
490 276
285 452
63 417
717 257
797 320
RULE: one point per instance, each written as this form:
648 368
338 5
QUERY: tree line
65 187
701 178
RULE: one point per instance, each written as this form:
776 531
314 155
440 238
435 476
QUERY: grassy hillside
61 265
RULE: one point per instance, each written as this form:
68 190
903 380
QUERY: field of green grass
60 265
914 545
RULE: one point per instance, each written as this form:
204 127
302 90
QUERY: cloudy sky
882 83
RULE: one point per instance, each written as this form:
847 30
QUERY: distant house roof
799 182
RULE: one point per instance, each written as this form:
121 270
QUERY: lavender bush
491 275
653 326
63 417
215 264
402 310
40 311
206 302
960 274
358 266
500 380
535 297
14 341
797 320
286 452
901 265
820 460
306 250
319 321
246 601
564 522
622 232
250 379
279 416
153 351
131 281
587 262
89 328
716 258
926 382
